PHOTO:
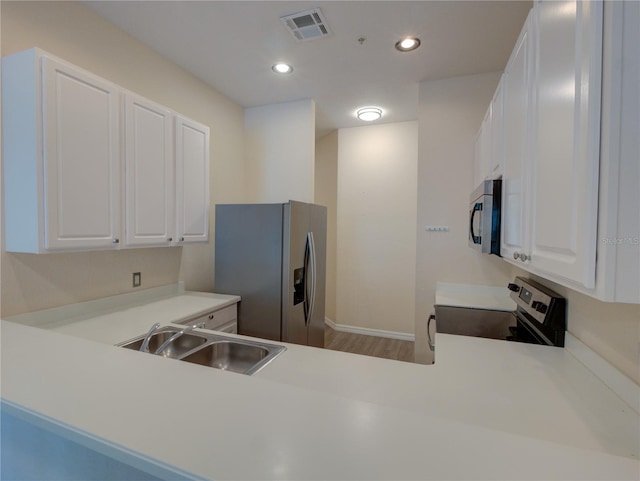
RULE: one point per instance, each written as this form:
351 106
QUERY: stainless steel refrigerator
274 257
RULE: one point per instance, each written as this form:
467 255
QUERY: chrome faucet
145 343
166 343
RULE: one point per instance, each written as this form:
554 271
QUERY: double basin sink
208 349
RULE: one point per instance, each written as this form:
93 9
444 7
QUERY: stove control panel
544 309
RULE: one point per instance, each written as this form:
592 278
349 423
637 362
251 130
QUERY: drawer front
230 327
215 319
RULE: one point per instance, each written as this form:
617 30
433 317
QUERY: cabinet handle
210 316
115 241
516 255
170 239
525 257
181 239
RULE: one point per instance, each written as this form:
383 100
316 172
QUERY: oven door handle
477 239
432 344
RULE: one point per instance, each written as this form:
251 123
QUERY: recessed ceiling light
407 44
282 68
369 114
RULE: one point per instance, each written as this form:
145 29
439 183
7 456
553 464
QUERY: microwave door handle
475 238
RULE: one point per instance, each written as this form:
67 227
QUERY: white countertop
115 319
125 324
484 382
229 426
314 413
474 296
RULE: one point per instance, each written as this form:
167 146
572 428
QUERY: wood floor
368 345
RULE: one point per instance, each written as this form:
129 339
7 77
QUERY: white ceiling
231 45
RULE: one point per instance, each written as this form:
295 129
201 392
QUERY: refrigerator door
248 263
318 228
295 273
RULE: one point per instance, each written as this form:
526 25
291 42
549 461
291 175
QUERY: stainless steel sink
179 346
212 350
230 356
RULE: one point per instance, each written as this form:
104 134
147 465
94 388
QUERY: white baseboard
365 331
620 384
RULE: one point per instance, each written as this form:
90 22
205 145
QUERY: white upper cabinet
79 150
482 151
192 181
516 83
571 172
488 147
618 263
497 133
149 173
61 156
478 171
566 110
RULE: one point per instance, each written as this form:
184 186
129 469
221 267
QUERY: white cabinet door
482 152
149 173
516 126
618 263
81 159
566 148
192 181
477 161
497 137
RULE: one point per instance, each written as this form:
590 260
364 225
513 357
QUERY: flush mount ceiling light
282 68
369 114
407 44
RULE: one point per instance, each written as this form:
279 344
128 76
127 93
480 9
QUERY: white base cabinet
89 165
225 319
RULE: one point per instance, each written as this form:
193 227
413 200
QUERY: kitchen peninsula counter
298 419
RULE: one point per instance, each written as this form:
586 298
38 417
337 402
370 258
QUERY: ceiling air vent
307 25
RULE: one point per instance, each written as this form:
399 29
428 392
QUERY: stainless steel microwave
484 217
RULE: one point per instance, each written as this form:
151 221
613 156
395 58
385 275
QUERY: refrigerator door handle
307 271
312 265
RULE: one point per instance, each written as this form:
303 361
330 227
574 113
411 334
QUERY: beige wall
280 151
610 329
76 34
375 284
450 113
326 193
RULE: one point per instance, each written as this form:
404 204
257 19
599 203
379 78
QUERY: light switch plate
137 279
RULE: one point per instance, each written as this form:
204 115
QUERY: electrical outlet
137 279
